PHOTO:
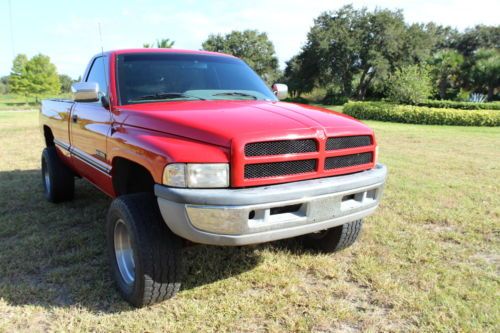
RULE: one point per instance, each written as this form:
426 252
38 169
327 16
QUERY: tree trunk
361 84
491 90
442 88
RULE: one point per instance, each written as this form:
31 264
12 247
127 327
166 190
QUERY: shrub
301 100
335 99
409 85
421 115
460 105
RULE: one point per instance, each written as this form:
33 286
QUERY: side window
98 73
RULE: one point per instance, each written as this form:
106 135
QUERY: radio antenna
104 66
11 30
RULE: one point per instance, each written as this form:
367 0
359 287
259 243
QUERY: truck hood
220 122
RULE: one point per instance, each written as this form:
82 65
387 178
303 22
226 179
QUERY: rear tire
145 256
334 239
58 180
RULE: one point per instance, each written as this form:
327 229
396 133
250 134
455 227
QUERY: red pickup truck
193 146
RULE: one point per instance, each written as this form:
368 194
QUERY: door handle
74 118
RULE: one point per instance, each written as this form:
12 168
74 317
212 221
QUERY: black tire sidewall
46 167
62 181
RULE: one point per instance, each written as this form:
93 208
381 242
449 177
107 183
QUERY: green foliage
66 83
481 36
446 65
4 85
421 115
160 44
300 100
299 75
486 70
18 81
36 76
460 105
334 98
252 46
355 50
409 85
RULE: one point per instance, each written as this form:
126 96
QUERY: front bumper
262 214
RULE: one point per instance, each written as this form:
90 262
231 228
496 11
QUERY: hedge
421 115
460 105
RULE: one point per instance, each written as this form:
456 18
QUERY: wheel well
130 177
49 137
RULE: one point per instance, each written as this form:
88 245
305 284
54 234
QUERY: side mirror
85 91
280 90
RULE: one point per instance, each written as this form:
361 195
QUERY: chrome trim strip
84 157
61 144
90 160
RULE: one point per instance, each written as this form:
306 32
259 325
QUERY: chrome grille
338 162
346 142
275 169
280 147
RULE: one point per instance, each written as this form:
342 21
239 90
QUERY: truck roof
161 50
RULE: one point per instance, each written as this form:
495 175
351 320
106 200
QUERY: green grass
428 260
15 102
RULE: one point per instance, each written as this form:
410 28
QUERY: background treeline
361 54
349 53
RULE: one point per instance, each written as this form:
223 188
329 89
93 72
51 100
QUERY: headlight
376 154
196 175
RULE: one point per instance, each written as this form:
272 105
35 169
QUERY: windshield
148 77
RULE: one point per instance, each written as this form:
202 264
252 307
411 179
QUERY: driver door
90 124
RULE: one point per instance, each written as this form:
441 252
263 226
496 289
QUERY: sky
68 32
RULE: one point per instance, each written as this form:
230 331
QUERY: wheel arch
48 136
130 177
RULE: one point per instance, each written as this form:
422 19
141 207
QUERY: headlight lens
376 154
196 175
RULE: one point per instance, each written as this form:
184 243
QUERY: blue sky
67 31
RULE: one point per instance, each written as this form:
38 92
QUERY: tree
160 44
481 36
18 82
66 82
354 48
36 76
298 75
486 70
446 65
252 46
409 85
4 84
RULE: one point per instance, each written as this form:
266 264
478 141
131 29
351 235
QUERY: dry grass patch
427 260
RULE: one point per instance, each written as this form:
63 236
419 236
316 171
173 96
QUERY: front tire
145 256
57 179
334 239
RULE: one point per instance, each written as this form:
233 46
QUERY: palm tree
160 43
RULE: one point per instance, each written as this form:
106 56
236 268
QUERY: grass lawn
428 260
16 102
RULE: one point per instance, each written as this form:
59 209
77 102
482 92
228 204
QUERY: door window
98 73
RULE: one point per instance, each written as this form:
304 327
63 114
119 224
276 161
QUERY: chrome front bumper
267 213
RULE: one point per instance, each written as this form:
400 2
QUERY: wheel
58 180
334 239
145 256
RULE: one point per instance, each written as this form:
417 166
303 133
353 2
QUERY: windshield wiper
165 95
235 93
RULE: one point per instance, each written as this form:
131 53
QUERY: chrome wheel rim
124 252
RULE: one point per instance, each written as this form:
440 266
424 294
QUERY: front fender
154 150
